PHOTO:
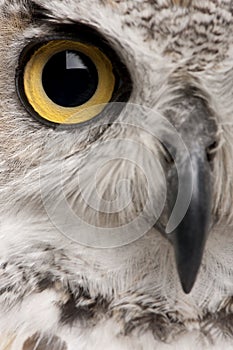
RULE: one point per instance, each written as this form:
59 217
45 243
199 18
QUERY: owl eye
65 81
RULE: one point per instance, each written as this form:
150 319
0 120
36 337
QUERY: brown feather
37 342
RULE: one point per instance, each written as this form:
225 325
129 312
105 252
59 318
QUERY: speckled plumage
58 294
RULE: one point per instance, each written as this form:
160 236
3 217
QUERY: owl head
116 131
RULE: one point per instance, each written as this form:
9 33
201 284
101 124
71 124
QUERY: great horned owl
116 174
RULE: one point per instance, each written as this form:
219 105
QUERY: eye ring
32 93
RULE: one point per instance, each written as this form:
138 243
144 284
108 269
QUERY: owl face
108 109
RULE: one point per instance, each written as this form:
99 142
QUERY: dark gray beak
186 219
189 237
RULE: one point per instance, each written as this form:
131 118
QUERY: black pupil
70 78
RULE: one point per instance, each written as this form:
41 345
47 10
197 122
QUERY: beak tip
188 275
187 286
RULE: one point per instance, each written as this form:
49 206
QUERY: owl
116 174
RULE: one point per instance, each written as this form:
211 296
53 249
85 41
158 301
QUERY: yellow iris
53 112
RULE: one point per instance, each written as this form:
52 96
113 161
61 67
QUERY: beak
189 185
189 236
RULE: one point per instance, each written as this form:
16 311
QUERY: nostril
211 151
169 152
169 159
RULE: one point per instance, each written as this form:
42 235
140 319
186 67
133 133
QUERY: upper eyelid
75 31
